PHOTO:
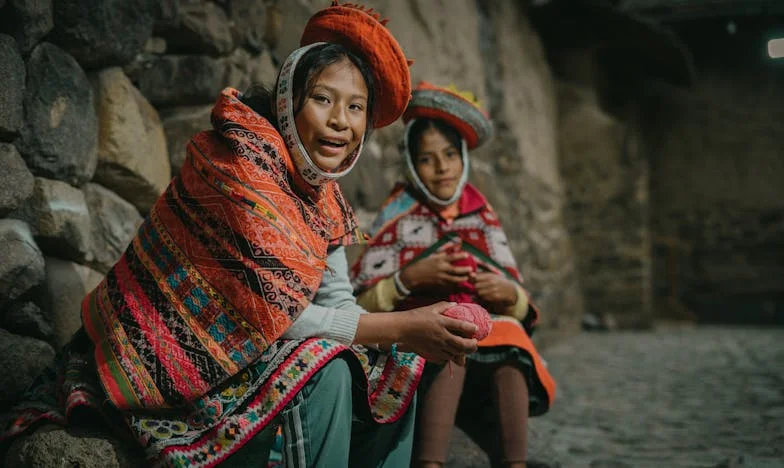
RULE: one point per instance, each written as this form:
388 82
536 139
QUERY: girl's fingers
459 270
459 359
459 328
452 279
440 307
458 345
453 257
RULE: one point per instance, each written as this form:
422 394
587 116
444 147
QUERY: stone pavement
674 397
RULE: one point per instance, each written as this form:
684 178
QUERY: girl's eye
423 160
320 98
451 153
357 107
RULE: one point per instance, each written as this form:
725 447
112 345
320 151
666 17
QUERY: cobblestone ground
678 397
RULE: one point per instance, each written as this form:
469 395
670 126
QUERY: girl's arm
333 313
519 308
424 331
382 296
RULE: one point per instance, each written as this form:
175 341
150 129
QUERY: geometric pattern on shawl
406 227
204 432
228 257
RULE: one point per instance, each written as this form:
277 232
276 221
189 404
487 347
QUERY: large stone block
171 80
114 223
180 124
86 448
28 21
203 27
21 360
60 134
607 201
65 286
27 319
12 75
21 262
248 23
16 181
133 160
243 69
59 219
105 33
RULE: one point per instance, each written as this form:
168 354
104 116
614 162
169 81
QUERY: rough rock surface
12 75
21 261
105 33
85 448
59 219
21 360
180 124
132 156
113 221
16 181
65 286
202 27
27 319
28 21
58 139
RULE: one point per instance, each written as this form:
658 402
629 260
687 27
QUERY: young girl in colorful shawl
437 238
231 312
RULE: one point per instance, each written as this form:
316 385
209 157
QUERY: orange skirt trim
507 331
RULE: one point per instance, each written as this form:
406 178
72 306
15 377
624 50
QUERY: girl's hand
495 289
436 271
436 337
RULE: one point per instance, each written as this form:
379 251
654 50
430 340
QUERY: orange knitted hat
364 32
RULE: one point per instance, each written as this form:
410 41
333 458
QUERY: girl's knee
508 370
334 378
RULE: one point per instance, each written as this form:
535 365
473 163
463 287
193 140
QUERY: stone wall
605 174
716 180
607 178
84 149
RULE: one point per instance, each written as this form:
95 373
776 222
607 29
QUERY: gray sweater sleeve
334 312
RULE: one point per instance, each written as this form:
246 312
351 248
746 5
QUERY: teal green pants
320 430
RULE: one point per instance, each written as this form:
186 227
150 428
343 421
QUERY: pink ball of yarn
475 314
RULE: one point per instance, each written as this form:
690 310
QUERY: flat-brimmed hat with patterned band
362 31
459 110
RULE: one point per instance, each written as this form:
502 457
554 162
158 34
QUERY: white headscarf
413 177
284 105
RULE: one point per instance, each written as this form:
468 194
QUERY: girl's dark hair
261 99
421 125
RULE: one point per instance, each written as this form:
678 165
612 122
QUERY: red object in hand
473 313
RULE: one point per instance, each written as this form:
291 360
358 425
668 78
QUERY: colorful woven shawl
407 228
228 257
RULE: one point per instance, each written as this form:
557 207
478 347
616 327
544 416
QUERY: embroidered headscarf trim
308 169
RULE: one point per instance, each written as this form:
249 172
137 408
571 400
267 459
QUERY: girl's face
438 163
333 117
